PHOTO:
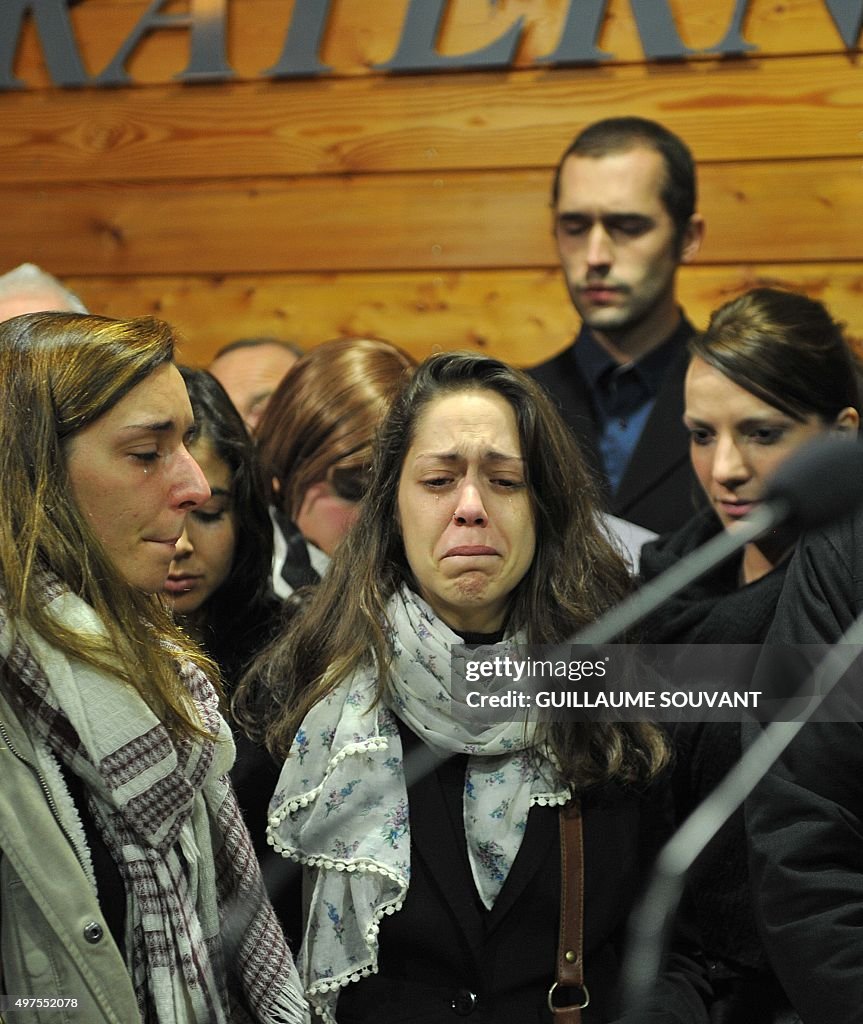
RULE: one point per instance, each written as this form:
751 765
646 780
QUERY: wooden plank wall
416 207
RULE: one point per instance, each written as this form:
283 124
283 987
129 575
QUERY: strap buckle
577 1006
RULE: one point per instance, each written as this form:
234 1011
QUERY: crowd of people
231 606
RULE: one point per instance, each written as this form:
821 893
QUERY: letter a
207 62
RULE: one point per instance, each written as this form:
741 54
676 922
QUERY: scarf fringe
333 864
325 986
298 802
551 799
289 1007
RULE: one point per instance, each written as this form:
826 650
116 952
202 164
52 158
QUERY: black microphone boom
822 482
650 923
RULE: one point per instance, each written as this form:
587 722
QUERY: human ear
693 236
847 422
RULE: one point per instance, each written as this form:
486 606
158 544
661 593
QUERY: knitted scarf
195 904
341 804
714 609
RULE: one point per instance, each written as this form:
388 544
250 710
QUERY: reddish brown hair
325 412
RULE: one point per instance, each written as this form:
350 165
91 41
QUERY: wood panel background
415 207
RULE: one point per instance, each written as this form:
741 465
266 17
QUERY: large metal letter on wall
416 50
207 60
303 45
847 15
58 41
656 28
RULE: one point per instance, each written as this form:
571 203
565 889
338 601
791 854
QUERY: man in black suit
623 202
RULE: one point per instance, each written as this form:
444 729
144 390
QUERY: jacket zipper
49 797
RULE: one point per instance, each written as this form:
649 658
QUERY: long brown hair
60 373
576 574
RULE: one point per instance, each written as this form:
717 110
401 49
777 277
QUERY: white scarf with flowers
341 804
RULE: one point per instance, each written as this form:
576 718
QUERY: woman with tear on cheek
128 884
431 844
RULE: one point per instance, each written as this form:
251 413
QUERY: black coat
714 609
658 490
805 820
443 955
718 899
254 773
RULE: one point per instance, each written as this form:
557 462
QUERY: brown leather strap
570 947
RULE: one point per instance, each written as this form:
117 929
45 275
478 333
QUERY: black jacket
805 820
658 490
718 899
443 955
714 609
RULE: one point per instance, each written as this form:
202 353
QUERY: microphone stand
815 486
653 594
649 924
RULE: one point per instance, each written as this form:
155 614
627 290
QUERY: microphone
821 482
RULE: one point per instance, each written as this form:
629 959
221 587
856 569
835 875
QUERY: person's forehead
626 180
32 302
160 401
213 466
465 420
253 364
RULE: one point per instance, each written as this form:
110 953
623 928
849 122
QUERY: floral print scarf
341 804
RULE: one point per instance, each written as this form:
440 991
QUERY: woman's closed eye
208 516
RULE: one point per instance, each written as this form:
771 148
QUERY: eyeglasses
349 483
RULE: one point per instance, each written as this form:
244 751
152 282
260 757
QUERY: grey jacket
54 941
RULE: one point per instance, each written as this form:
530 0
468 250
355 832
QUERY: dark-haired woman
219 580
432 846
219 584
771 372
127 881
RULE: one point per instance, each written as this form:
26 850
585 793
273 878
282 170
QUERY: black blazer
444 956
658 490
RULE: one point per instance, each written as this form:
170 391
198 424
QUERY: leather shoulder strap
570 949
